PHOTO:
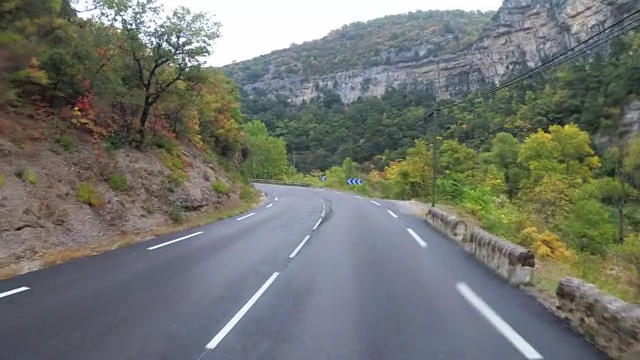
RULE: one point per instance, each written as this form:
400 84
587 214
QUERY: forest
552 163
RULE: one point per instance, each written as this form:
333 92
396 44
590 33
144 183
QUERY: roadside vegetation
552 164
85 98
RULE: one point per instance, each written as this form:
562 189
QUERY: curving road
311 274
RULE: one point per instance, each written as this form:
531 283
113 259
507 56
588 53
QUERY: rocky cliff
523 33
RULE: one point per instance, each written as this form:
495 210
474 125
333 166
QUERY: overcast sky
255 27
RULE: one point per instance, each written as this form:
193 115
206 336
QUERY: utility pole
434 179
434 162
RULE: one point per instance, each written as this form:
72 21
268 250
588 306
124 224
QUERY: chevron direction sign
354 181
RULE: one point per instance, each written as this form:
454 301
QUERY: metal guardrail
279 182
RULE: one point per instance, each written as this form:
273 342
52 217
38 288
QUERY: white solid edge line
373 202
238 316
246 216
317 224
359 197
14 291
503 328
322 215
175 241
297 250
270 205
276 199
392 214
417 238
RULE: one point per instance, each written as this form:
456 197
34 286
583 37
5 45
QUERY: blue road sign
354 181
324 178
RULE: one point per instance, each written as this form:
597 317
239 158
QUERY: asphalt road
311 274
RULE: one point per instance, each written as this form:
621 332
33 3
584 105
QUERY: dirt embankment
63 197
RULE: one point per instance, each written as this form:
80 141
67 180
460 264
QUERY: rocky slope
73 198
522 33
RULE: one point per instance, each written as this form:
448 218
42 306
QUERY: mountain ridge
520 35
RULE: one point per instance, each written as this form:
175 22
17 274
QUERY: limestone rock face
524 33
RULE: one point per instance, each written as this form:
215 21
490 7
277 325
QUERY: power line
562 58
546 67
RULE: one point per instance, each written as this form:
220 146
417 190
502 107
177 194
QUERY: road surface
311 274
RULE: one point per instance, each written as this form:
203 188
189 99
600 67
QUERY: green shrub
86 194
174 181
118 182
247 193
174 162
27 175
1 180
164 143
149 208
67 142
176 214
114 143
220 187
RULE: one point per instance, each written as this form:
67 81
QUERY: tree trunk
621 222
143 119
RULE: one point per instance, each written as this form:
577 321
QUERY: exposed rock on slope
45 191
522 33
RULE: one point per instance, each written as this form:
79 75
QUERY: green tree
504 155
589 226
163 48
267 155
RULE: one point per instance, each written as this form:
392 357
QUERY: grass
87 194
27 175
209 216
118 182
1 180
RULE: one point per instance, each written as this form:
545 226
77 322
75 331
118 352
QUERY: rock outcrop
522 35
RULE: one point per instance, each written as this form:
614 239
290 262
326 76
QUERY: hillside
448 53
385 41
112 131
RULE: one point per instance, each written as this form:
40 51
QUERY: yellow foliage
87 194
546 244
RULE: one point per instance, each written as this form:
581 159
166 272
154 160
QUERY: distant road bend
310 274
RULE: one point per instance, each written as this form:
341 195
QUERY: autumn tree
163 48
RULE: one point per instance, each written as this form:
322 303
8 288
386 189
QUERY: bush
118 182
174 162
67 142
86 194
27 175
220 187
177 215
630 251
114 143
247 193
546 244
164 143
1 180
